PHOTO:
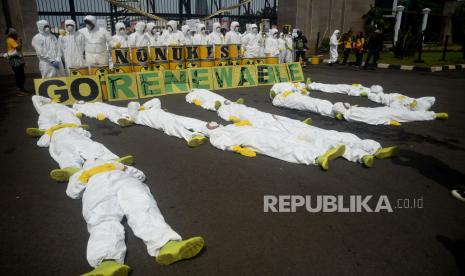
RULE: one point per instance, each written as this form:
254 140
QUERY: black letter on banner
76 93
177 53
121 56
192 53
224 52
210 51
142 55
63 93
160 53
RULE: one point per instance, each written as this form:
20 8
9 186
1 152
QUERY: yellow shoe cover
62 175
35 132
217 105
309 80
386 152
197 102
248 152
123 122
127 160
174 251
394 123
442 115
368 161
100 117
332 153
364 94
243 123
196 141
141 108
308 121
240 101
78 114
272 94
339 116
109 268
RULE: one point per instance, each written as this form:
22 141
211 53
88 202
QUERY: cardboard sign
150 84
70 89
122 87
201 78
223 77
245 76
176 81
281 73
295 72
265 74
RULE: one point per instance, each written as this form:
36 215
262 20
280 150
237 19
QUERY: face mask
153 31
47 29
218 30
170 29
203 30
255 30
89 26
275 35
236 28
157 33
122 32
70 28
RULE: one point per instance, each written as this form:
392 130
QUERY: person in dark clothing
374 46
15 59
300 46
347 44
359 48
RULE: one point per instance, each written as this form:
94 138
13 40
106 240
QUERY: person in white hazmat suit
111 191
48 51
101 111
97 42
383 115
246 139
282 48
151 114
120 39
289 57
201 37
216 37
139 38
172 36
207 99
69 144
151 33
72 46
272 46
188 35
252 43
233 36
333 43
396 100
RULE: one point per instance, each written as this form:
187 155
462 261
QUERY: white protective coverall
201 37
48 51
171 124
204 98
151 33
356 148
252 43
97 42
233 36
216 37
272 44
172 36
333 43
72 46
381 115
289 48
188 37
120 39
267 141
347 89
282 48
304 103
396 100
99 110
51 113
109 196
139 37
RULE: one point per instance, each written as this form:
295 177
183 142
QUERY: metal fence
57 11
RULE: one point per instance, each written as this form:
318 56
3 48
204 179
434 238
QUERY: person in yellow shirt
15 59
347 44
359 48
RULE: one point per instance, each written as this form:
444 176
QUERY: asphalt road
219 195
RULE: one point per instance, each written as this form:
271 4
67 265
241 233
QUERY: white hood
140 27
173 25
217 27
234 24
376 89
40 25
91 19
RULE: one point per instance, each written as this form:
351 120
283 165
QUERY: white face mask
254 30
122 32
89 26
157 33
70 28
218 30
153 31
203 30
236 28
170 29
47 30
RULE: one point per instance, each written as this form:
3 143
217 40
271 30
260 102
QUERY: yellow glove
78 114
243 123
287 93
244 151
100 117
142 107
117 45
197 102
356 84
234 119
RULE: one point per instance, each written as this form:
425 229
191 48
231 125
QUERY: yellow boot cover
100 117
234 119
141 108
109 268
197 102
368 160
442 115
394 123
196 141
244 151
174 251
62 175
84 177
386 152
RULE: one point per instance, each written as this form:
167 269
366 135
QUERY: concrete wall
324 16
23 15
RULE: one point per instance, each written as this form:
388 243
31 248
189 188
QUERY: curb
416 68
